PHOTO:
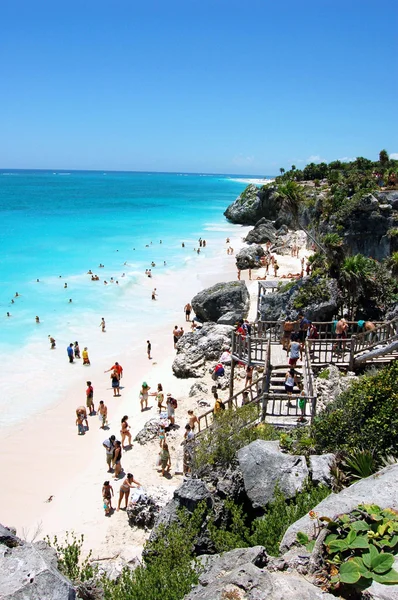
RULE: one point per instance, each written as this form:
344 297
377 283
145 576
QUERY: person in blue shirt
70 352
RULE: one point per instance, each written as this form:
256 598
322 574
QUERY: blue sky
219 86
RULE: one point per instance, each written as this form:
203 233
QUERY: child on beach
301 403
165 460
107 493
79 423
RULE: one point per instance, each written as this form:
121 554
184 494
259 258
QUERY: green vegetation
268 530
366 413
230 432
313 290
360 548
69 557
324 374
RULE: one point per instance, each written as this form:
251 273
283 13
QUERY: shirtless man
154 294
187 309
341 334
175 336
102 411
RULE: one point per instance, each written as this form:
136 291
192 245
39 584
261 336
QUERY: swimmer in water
65 285
8 314
37 320
70 300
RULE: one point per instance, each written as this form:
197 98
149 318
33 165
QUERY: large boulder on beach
264 231
380 488
253 204
195 348
250 257
214 303
29 571
264 466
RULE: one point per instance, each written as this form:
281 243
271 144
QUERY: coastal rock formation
263 466
214 303
143 513
380 488
29 571
320 466
264 231
253 204
249 257
195 348
238 574
332 384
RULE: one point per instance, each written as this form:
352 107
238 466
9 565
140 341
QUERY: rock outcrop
214 303
380 488
332 384
29 571
264 231
195 348
249 257
264 466
320 466
253 204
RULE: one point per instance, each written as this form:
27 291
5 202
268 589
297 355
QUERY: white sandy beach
45 457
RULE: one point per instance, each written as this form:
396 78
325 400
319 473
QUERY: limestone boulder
195 348
253 204
264 466
213 303
264 231
380 488
320 466
250 257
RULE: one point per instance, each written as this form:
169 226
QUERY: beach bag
174 403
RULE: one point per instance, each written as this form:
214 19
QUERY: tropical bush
313 290
366 413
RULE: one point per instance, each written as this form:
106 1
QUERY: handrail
380 334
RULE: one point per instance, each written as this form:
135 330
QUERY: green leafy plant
360 463
324 374
69 557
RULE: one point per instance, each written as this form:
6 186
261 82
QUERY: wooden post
231 378
352 350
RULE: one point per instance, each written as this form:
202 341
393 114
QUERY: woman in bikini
116 461
125 431
125 489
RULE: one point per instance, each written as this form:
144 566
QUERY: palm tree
383 158
293 167
291 196
355 273
333 244
282 170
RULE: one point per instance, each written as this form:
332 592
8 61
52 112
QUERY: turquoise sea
58 225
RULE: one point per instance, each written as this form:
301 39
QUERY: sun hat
144 384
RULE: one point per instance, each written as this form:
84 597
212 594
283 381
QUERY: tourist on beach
175 336
82 411
90 397
159 397
144 393
125 489
52 342
102 325
290 381
109 445
69 351
154 294
115 379
165 460
226 357
218 371
171 406
125 431
193 420
79 423
86 360
116 460
148 349
295 349
107 493
276 267
188 310
162 434
116 367
76 350
219 405
102 411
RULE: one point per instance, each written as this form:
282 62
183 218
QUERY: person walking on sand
69 351
90 398
148 349
116 367
188 310
116 460
124 491
109 445
102 325
107 493
52 342
165 460
249 375
125 431
159 397
154 294
86 360
144 393
115 383
102 411
175 336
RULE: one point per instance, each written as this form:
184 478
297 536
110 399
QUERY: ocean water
58 225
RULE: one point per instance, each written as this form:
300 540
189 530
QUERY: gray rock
254 204
249 257
191 493
264 231
248 582
381 489
229 318
214 302
143 513
27 575
198 389
195 348
214 564
8 537
328 389
149 432
320 468
264 466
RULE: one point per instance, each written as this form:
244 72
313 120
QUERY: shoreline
43 456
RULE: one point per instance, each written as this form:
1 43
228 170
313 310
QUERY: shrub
366 413
230 431
324 374
69 554
312 291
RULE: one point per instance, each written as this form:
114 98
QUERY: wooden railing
249 349
277 405
273 330
369 339
333 351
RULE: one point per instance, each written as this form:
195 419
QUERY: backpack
222 405
173 402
